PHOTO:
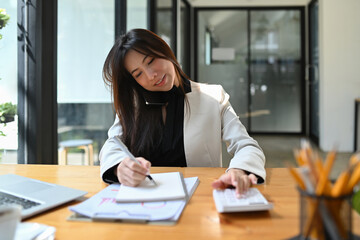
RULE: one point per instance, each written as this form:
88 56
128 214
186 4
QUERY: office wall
339 49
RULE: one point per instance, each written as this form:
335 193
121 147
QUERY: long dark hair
142 124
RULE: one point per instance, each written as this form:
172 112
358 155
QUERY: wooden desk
200 220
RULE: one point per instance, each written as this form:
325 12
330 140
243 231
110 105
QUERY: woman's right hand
132 174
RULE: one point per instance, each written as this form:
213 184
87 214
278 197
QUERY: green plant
7 113
4 18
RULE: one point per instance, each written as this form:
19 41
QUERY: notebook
169 186
103 207
33 195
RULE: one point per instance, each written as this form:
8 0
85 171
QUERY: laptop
33 195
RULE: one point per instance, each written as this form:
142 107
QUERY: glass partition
136 14
256 56
276 71
85 36
164 21
222 51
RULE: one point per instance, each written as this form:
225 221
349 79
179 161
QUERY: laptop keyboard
6 199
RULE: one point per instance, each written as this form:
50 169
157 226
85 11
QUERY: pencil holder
324 217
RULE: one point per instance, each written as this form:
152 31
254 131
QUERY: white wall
339 49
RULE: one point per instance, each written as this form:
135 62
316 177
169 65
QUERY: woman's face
153 74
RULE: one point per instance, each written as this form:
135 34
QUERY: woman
167 120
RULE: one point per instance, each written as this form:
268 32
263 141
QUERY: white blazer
208 121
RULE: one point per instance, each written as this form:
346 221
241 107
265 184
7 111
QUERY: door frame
310 134
303 56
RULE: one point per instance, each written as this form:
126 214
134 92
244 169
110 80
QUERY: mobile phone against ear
155 98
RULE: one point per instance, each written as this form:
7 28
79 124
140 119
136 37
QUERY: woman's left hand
236 178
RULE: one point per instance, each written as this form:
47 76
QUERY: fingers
236 178
223 182
131 173
253 178
219 184
145 164
243 185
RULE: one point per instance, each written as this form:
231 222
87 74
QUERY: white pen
126 150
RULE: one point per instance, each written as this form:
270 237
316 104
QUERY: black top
170 152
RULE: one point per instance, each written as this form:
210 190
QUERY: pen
126 150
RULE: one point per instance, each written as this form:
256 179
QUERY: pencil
297 177
340 184
126 150
319 169
298 158
323 178
354 178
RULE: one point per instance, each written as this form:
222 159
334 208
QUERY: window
136 14
8 84
164 21
85 36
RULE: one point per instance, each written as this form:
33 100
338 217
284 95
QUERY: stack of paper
104 206
169 186
31 231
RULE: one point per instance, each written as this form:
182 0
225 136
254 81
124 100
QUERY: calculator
253 200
